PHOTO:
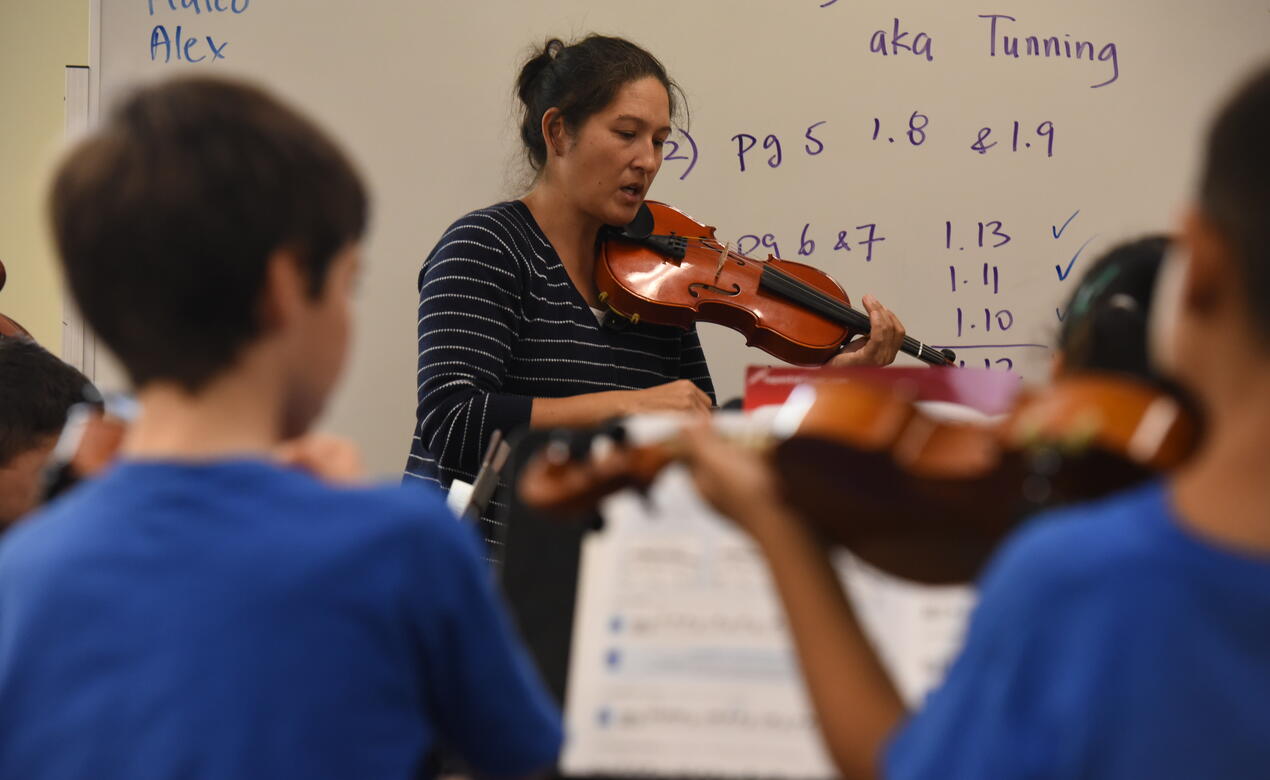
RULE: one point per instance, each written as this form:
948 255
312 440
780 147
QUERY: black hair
36 391
1105 321
1235 187
580 79
165 220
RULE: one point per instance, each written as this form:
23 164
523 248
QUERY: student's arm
856 703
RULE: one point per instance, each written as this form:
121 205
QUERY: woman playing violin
510 329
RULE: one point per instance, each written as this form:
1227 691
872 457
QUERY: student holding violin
1124 638
511 330
36 391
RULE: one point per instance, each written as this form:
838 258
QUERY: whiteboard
910 123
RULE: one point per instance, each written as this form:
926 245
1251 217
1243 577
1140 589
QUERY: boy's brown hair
166 217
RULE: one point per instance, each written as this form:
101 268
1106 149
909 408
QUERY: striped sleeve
469 314
692 364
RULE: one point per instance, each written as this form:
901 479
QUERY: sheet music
681 662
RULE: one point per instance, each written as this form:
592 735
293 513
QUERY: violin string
796 288
859 319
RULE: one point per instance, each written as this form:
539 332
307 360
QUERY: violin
8 326
89 442
668 269
924 498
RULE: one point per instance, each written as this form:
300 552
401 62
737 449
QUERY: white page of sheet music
681 662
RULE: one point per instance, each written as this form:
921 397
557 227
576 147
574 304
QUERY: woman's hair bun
534 67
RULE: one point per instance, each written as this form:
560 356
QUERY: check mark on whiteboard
1058 231
1063 272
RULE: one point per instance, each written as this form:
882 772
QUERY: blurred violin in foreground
669 269
921 497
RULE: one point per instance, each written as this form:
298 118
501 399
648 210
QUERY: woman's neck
572 233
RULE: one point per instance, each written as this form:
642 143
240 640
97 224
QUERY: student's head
36 391
1105 320
1211 322
595 116
204 219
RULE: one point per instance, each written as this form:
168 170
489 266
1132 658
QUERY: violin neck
786 285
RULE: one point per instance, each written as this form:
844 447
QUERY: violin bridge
723 258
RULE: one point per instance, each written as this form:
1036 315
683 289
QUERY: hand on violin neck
329 458
880 346
678 396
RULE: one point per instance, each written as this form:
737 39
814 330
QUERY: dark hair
36 391
1235 187
1105 324
580 79
166 217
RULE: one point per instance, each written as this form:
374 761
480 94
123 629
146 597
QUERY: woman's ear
554 134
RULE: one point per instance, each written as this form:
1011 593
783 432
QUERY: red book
990 392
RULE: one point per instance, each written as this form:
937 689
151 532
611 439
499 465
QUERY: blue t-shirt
1109 642
239 620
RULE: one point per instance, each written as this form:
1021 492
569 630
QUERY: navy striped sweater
500 323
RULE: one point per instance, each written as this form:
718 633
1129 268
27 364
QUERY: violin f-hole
693 289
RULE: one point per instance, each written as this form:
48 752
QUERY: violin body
681 274
930 500
921 497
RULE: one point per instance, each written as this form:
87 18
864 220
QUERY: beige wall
37 41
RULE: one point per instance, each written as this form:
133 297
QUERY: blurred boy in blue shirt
203 610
